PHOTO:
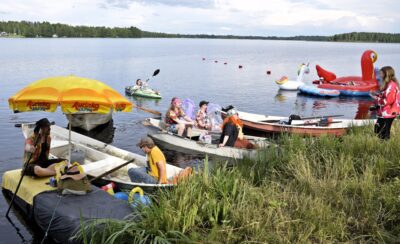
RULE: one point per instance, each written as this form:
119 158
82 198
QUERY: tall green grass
313 190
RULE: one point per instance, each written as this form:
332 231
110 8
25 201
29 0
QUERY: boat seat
58 143
101 165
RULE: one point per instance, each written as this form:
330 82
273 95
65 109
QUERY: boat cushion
70 211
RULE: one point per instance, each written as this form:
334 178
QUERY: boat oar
23 174
155 112
322 117
112 170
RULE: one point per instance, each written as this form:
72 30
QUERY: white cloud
238 17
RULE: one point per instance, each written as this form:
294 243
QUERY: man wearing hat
37 149
156 172
203 122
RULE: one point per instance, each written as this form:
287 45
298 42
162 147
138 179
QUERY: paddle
23 174
155 112
154 74
19 125
322 117
112 170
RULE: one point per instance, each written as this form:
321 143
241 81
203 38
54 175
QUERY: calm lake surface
184 73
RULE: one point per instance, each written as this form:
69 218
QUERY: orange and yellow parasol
72 93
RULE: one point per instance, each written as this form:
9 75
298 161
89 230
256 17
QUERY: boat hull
88 121
147 93
271 125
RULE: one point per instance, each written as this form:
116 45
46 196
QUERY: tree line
46 29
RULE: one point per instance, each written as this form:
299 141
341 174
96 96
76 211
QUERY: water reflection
143 101
283 96
104 133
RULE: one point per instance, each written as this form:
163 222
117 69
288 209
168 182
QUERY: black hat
43 122
202 103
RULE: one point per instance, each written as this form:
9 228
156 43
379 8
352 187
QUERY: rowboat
142 92
99 157
276 124
172 141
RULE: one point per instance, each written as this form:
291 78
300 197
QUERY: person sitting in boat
156 172
139 84
387 100
37 149
176 120
202 120
232 132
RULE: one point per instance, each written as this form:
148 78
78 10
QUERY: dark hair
40 124
202 103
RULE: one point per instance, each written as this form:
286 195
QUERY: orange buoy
240 66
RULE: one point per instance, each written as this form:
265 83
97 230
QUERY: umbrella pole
69 140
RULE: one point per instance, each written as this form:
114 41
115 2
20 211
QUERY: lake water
184 73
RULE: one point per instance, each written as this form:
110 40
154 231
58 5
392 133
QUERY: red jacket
388 101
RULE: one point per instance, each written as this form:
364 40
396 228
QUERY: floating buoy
109 188
225 63
121 195
216 61
240 66
204 58
268 72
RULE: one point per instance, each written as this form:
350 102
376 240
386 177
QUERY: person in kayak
176 120
202 120
232 134
37 149
139 83
387 101
156 171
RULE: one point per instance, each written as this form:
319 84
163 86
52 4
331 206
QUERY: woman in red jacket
387 102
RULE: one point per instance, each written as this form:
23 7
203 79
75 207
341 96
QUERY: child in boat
37 149
202 120
156 172
387 102
232 134
176 120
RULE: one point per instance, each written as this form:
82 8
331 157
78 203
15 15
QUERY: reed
312 190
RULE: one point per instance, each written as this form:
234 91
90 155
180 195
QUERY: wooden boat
174 142
160 125
88 121
142 92
99 157
277 124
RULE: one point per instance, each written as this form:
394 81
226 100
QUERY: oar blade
156 72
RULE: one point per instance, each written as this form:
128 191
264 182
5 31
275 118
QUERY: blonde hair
388 75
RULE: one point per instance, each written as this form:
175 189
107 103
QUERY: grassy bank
309 190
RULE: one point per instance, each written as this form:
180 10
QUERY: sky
222 17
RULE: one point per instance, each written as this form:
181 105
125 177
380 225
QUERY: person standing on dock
387 102
156 172
38 154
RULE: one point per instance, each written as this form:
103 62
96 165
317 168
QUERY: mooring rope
51 220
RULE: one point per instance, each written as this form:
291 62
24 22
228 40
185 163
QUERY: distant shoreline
26 29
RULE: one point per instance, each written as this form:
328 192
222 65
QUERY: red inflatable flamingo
353 85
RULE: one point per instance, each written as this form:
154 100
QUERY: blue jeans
140 175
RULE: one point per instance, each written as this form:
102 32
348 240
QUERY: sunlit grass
308 190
